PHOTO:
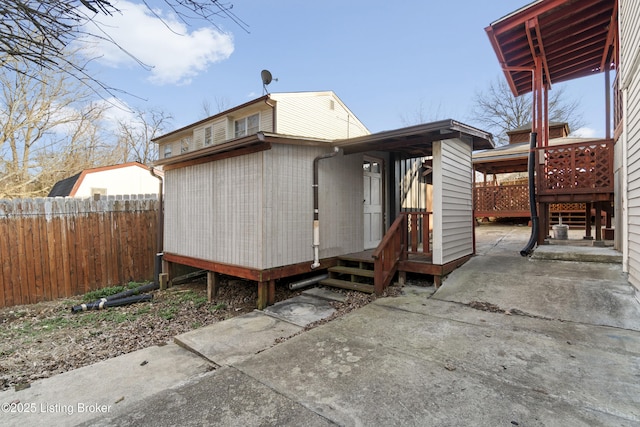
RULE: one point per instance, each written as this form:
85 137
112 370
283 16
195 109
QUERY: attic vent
331 104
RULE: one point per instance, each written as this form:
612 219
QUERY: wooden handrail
397 225
387 254
394 246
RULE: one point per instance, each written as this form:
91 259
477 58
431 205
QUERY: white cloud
175 53
584 132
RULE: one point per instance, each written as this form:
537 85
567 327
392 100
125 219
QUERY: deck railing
418 229
577 169
409 234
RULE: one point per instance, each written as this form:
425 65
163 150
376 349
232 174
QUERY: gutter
316 219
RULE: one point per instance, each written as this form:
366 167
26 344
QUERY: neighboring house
124 179
558 40
306 191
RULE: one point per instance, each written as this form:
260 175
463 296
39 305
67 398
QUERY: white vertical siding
288 204
630 82
316 115
257 210
341 191
452 201
212 211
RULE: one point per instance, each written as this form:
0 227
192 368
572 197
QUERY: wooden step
356 259
343 284
341 269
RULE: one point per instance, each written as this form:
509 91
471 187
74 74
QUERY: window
184 144
247 125
96 193
167 151
208 135
371 166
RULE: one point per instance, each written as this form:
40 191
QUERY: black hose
118 296
532 197
129 292
104 303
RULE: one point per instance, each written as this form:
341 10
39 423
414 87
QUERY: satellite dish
266 77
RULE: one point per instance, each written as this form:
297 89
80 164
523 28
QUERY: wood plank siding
256 211
630 84
452 201
212 210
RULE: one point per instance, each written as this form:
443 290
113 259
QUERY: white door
373 214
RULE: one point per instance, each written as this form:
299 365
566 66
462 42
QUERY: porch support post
263 290
266 293
402 278
393 188
607 101
543 221
212 285
168 269
598 223
271 298
437 281
587 222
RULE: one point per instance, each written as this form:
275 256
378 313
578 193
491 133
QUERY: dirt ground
45 339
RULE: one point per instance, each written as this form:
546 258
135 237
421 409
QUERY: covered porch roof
413 141
574 38
417 141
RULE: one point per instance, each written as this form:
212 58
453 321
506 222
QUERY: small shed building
269 205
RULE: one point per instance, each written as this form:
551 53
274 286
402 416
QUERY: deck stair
353 273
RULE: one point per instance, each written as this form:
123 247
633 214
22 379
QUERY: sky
389 62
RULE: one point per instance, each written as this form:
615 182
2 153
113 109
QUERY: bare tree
498 111
83 145
38 32
222 103
135 135
424 114
42 119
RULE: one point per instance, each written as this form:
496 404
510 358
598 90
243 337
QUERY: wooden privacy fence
60 247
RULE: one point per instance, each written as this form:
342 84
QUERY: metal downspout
316 219
532 197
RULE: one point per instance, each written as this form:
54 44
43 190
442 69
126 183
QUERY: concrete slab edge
577 257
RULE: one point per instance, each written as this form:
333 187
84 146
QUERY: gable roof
574 38
64 187
69 186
